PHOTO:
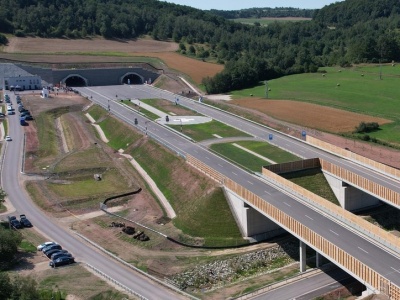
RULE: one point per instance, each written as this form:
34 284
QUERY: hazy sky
239 4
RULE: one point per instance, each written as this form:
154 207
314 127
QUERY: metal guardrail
175 289
130 291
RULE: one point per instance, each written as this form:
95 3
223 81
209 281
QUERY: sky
240 4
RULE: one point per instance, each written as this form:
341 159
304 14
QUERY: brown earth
41 45
309 115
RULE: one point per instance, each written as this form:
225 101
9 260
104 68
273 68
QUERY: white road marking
267 193
207 157
362 250
287 204
220 165
234 173
395 270
250 182
334 232
196 151
309 217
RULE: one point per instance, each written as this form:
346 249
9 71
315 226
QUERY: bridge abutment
349 197
303 256
251 222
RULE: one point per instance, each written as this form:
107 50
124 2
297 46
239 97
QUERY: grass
27 246
97 112
264 22
314 181
202 210
250 161
205 131
119 134
85 186
365 94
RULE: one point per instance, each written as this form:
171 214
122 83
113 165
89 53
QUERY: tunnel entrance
75 81
132 78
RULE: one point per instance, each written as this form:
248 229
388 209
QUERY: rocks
215 273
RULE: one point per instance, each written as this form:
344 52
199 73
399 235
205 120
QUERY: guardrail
173 288
130 291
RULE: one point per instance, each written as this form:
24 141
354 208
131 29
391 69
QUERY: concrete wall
251 222
98 77
350 198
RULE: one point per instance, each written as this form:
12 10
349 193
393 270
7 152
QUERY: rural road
68 239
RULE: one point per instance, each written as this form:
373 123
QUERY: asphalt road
387 265
48 226
308 287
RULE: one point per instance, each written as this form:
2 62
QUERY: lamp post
145 124
181 124
108 106
266 89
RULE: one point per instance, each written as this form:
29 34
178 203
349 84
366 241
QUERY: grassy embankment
76 168
360 90
202 210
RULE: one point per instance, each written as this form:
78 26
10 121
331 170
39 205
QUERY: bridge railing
330 250
362 182
393 172
372 231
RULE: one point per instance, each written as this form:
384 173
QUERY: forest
344 33
265 12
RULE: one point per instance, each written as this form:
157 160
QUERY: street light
108 106
145 123
181 124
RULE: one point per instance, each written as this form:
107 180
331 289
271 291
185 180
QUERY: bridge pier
318 260
303 256
350 197
251 222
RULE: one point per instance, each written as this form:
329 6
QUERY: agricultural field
267 21
334 100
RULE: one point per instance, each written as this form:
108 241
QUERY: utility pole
266 89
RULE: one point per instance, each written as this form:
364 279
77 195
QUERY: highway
10 178
290 144
387 265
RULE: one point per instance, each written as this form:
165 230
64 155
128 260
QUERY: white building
22 83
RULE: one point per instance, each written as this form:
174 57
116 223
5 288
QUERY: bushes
366 127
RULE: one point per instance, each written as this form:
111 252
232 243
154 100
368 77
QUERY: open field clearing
98 50
269 20
41 45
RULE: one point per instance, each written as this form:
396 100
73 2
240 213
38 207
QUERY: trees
10 239
18 288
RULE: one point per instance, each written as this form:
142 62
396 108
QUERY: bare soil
42 45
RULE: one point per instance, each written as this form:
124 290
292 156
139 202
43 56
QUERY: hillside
353 31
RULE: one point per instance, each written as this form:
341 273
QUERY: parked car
8 138
14 222
45 244
60 254
24 221
61 261
28 118
54 251
51 247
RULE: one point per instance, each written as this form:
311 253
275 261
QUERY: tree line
265 12
343 33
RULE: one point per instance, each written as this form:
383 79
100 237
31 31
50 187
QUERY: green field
265 21
205 131
249 161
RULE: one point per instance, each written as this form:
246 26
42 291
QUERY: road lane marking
220 165
395 270
234 173
206 157
362 250
267 193
335 233
196 151
309 217
250 182
287 204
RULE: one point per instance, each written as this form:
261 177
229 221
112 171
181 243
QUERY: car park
61 261
24 221
45 244
2 115
14 222
28 118
8 138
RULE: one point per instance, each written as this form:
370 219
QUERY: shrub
366 127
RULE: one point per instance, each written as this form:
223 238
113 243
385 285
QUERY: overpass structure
371 257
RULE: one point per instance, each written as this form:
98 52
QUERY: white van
9 108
